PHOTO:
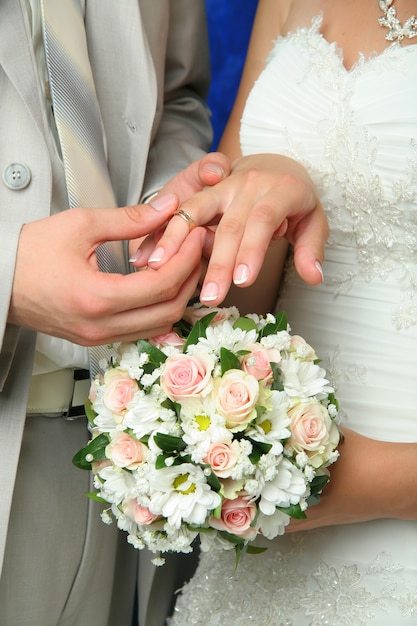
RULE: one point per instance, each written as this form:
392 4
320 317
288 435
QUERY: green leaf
174 406
89 411
318 483
333 400
277 382
199 330
258 449
156 356
255 549
93 495
160 461
280 324
182 327
313 500
245 323
232 538
96 447
168 443
228 361
294 510
213 481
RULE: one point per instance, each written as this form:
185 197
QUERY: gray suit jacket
150 64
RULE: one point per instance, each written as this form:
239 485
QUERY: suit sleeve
183 133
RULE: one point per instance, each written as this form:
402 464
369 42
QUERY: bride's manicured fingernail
209 292
320 269
135 256
241 274
157 255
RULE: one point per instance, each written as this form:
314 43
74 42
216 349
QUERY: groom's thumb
135 221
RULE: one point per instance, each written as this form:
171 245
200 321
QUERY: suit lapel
18 61
126 88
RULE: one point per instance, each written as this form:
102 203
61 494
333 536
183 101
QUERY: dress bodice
355 132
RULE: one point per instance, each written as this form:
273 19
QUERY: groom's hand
58 288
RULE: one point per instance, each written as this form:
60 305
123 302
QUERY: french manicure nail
209 292
157 255
320 269
241 274
135 256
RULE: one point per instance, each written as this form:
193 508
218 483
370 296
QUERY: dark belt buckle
76 411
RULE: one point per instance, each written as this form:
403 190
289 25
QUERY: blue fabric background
229 24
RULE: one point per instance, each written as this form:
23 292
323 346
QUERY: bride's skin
372 479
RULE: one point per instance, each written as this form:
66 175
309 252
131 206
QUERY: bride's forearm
371 480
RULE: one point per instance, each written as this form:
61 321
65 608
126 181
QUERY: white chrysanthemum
105 421
288 487
119 484
202 426
145 414
272 426
125 523
273 525
303 379
225 336
181 494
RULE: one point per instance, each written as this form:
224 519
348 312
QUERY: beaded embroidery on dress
356 133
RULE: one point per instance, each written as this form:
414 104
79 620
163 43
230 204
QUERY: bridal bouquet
224 429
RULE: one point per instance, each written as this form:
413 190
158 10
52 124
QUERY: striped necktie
78 120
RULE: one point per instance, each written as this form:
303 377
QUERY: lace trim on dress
350 595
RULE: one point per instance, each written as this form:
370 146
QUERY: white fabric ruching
356 133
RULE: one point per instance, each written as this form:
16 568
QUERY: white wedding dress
356 133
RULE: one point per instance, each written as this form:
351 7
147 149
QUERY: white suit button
16 176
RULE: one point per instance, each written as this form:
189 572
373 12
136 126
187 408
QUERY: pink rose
168 339
138 513
119 390
125 451
236 517
186 375
194 314
258 362
236 394
222 457
313 431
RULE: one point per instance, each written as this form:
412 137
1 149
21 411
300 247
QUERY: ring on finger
186 217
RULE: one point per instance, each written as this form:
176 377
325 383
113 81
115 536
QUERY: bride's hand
266 196
370 480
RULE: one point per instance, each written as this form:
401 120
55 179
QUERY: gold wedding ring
186 217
